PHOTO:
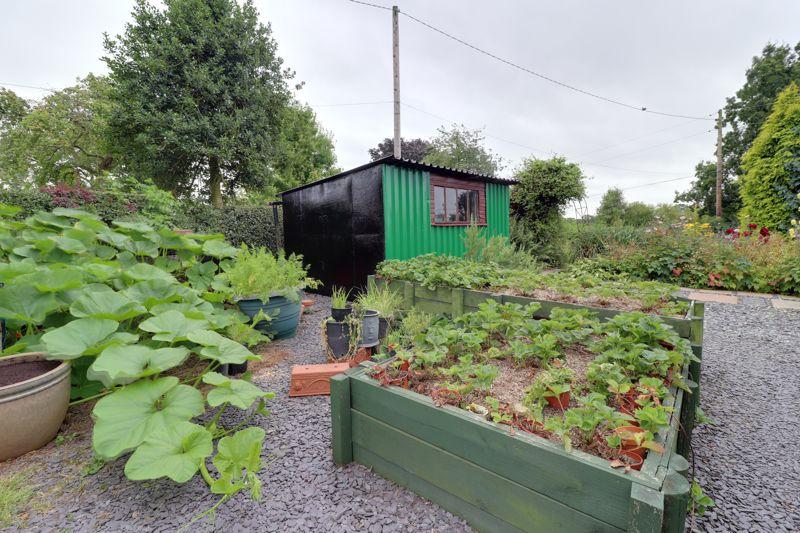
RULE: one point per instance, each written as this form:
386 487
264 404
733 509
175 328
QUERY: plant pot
34 397
635 460
369 329
558 402
307 304
383 328
232 369
340 314
627 434
337 338
285 315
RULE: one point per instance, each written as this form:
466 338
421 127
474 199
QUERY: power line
626 141
371 5
352 103
28 86
654 146
643 185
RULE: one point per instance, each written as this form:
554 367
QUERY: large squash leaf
153 292
219 248
238 461
77 337
26 304
146 272
124 419
219 348
174 451
101 301
120 364
171 326
237 392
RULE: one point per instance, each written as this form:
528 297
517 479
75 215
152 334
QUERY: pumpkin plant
128 305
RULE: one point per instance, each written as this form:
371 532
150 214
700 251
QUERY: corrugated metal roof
408 163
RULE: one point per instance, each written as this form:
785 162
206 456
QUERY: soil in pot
340 314
558 402
25 371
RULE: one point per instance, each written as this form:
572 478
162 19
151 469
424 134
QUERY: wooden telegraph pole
719 164
396 72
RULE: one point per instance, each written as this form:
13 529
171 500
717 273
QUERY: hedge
251 225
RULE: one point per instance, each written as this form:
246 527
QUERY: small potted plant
29 383
383 300
553 386
261 282
339 306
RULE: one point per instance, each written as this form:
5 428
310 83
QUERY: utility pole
719 164
396 73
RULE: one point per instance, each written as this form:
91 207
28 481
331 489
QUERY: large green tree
13 109
772 165
462 148
199 94
612 207
702 194
546 187
305 150
776 67
414 149
61 138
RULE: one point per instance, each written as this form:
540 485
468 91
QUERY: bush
250 225
588 239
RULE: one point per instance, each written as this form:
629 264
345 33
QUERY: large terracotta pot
31 411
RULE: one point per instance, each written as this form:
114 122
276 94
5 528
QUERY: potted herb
383 300
341 338
551 386
261 282
29 383
339 306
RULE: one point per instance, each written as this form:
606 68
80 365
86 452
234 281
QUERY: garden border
500 479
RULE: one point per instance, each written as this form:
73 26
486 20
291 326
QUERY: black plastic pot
383 328
233 369
369 329
337 337
339 314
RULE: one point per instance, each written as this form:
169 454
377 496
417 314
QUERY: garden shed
391 208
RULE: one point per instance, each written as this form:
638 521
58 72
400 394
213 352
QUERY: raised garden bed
500 478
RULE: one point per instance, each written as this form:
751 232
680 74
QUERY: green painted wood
341 422
680 464
476 517
581 481
475 298
440 294
676 497
646 513
458 303
434 307
521 507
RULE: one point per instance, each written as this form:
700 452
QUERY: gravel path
749 462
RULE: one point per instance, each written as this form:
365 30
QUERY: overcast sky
680 56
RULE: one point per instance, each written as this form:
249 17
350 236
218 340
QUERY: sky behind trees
682 57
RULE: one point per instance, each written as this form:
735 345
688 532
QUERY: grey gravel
749 462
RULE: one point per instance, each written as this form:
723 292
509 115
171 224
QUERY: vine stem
217 416
90 398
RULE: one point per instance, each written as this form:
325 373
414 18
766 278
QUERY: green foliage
769 185
702 195
61 139
463 149
699 502
118 302
433 271
382 299
258 273
199 94
339 297
15 491
612 207
496 249
546 187
413 149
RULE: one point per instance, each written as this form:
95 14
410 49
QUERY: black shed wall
337 226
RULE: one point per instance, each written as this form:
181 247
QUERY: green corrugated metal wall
406 214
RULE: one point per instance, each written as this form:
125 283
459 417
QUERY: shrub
257 273
241 224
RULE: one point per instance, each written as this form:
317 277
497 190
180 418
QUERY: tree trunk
216 182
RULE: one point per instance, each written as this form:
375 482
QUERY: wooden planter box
499 479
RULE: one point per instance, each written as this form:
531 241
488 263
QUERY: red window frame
455 183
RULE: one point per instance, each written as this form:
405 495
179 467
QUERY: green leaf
219 248
105 303
237 453
75 338
122 364
49 219
26 304
153 292
171 326
9 210
139 227
115 239
145 272
54 280
237 392
143 248
201 275
174 451
124 419
74 213
220 349
9 271
71 246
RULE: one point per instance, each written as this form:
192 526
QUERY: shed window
457 202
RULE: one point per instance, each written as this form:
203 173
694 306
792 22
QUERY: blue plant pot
284 312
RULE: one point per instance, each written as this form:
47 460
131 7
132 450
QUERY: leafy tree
702 193
772 177
612 207
768 75
305 151
414 149
638 214
199 94
462 148
62 138
545 188
13 109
